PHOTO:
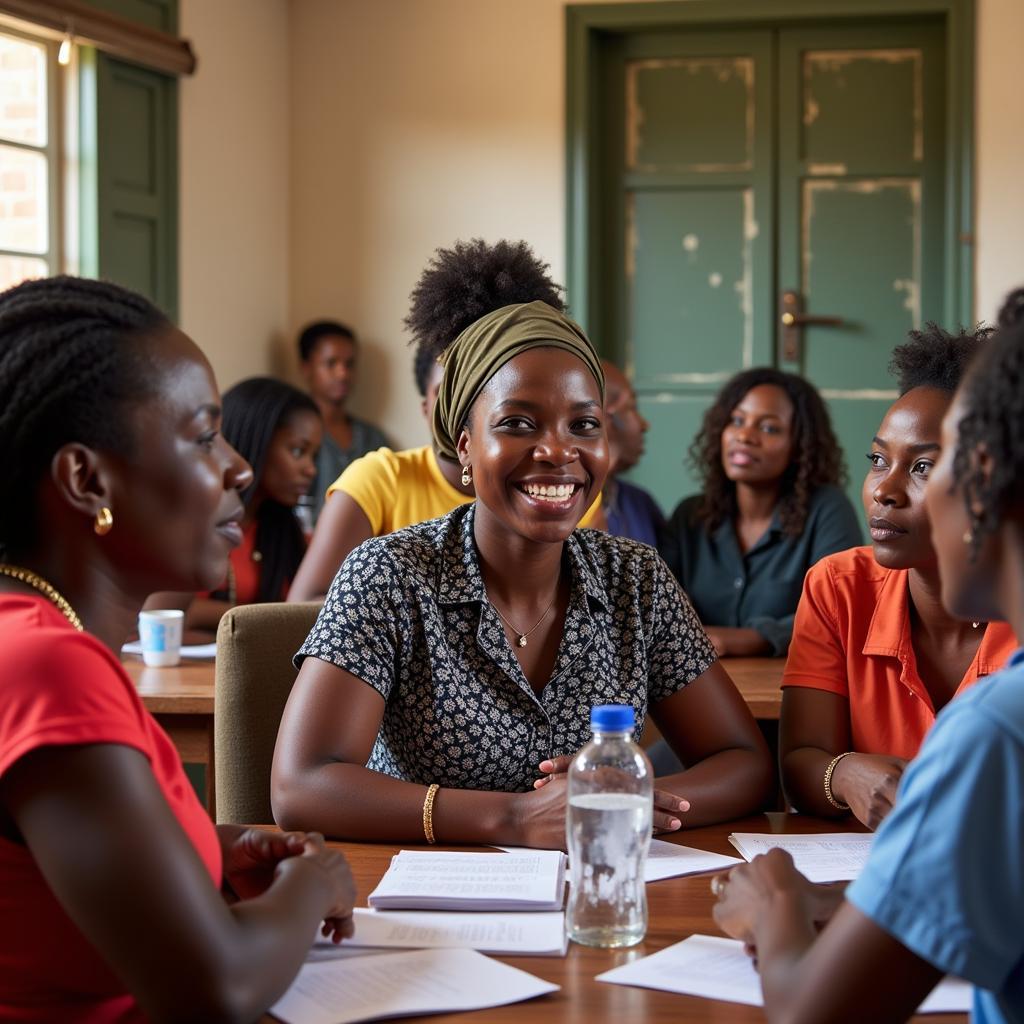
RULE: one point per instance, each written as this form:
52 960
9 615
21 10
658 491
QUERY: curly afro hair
1012 311
993 397
465 282
817 457
935 358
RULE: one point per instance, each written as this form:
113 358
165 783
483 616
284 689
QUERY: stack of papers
715 968
398 984
518 934
829 857
421 880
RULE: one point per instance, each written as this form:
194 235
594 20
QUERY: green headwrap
485 346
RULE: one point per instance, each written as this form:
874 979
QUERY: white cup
160 636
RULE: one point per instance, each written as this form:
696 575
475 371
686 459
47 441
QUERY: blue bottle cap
612 718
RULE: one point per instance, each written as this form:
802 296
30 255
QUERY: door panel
861 200
692 294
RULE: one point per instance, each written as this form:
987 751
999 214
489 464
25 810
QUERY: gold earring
968 536
104 521
467 476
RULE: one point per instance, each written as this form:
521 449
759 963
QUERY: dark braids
462 284
817 459
71 363
993 397
253 411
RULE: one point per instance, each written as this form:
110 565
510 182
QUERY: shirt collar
459 580
889 630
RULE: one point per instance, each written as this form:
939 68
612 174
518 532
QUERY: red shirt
61 687
852 637
246 570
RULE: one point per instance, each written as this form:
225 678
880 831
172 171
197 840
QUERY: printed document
829 857
398 984
717 968
421 880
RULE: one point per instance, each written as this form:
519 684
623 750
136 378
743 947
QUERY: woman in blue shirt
943 890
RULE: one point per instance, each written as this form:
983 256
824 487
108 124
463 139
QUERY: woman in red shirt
119 899
874 655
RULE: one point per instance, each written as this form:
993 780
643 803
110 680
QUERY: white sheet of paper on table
828 857
717 968
531 880
397 984
188 651
670 860
512 934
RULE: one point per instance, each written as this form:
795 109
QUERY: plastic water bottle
608 832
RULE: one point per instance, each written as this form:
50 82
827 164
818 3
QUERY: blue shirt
632 512
946 872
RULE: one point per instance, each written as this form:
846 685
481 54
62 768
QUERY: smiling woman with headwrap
464 654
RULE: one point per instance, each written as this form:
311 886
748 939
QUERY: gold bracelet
428 812
828 782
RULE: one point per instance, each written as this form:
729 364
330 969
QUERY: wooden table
759 680
678 908
180 698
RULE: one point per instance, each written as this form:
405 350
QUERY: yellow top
397 489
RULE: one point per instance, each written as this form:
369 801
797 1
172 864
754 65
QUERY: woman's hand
751 893
668 808
868 783
539 817
737 642
251 856
338 922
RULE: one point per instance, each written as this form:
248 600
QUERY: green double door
750 174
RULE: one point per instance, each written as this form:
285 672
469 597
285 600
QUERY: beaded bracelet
828 782
428 812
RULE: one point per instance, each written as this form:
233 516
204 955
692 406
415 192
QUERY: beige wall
999 262
417 122
235 183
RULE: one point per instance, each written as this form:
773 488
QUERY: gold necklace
520 635
50 592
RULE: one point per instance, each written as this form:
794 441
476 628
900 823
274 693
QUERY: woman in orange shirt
874 654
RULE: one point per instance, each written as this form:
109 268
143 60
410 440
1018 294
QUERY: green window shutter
128 128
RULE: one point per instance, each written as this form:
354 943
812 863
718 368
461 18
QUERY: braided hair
253 410
465 282
993 397
817 459
72 362
935 358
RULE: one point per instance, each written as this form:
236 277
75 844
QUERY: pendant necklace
520 635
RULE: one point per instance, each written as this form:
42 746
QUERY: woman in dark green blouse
771 506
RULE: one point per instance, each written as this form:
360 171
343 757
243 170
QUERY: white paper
396 984
717 968
421 880
669 860
829 857
541 934
187 650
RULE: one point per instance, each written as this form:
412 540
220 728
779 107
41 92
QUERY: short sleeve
360 626
817 658
60 688
372 483
944 876
680 649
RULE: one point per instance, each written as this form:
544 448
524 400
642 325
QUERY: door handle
794 320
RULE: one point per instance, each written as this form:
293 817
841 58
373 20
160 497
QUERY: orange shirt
852 637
